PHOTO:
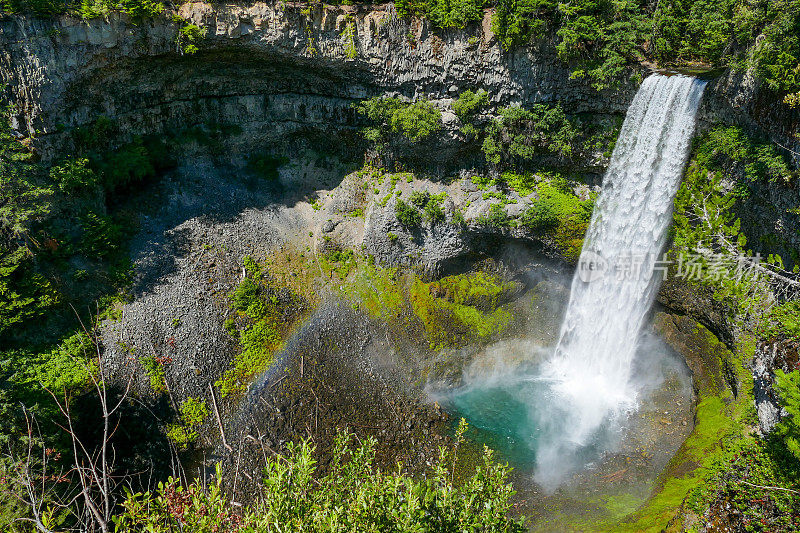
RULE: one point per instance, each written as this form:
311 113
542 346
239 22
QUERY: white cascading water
590 368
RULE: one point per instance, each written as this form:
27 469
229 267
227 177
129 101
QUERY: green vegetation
706 217
788 387
263 316
189 35
458 309
430 204
422 205
732 151
518 135
192 413
349 37
451 311
353 496
86 9
496 217
154 368
560 216
469 103
599 40
443 13
407 215
414 121
340 262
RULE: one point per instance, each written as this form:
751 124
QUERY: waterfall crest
617 281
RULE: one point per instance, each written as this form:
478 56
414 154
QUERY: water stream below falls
556 410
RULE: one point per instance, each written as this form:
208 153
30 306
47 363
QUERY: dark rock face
710 361
698 303
267 68
739 98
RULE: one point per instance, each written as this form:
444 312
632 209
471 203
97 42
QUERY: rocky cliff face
270 68
276 69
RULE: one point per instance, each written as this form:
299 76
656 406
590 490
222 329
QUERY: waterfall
560 408
618 275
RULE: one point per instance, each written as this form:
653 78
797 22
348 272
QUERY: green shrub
560 216
192 413
734 152
154 368
430 204
783 321
414 121
86 9
102 237
73 175
407 215
189 36
468 103
496 217
353 496
520 134
788 387
67 368
442 13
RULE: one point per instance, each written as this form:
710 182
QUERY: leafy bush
154 368
430 204
189 36
353 496
788 387
102 237
562 217
443 13
74 175
736 153
192 413
407 215
782 322
468 103
414 121
520 134
496 217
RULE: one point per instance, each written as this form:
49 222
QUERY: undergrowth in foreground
354 496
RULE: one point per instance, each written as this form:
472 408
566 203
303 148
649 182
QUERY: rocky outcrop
738 97
274 69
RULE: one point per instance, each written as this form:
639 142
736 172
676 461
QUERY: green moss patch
560 216
264 314
459 309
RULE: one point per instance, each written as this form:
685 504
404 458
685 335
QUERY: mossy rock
457 310
708 358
